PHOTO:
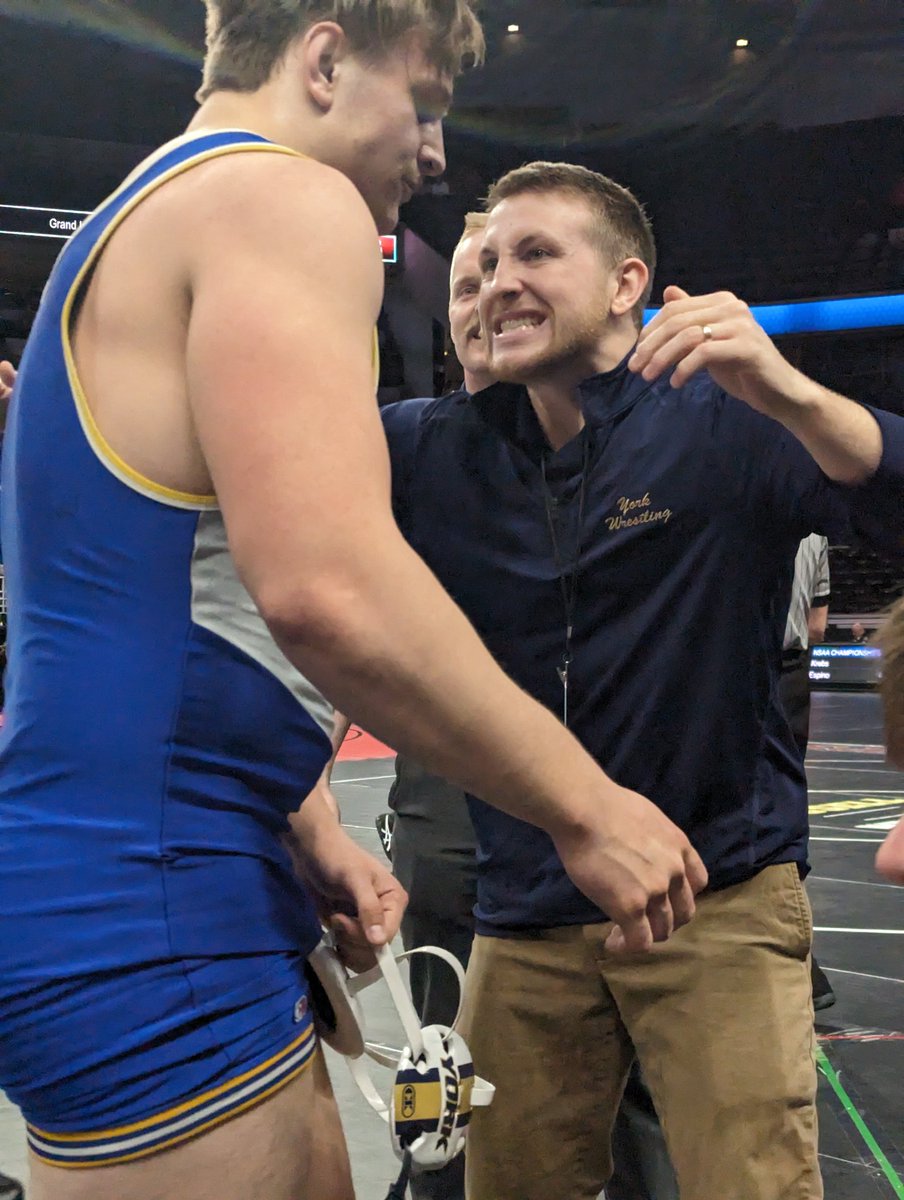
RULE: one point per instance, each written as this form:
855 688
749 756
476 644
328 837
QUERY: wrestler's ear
318 53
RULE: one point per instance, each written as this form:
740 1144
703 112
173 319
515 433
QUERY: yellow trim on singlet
194 1132
172 1113
376 360
99 444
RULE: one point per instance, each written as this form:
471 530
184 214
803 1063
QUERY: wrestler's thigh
289 1147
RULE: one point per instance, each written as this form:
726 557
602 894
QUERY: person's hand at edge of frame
890 858
7 381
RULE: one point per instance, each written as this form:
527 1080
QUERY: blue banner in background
825 316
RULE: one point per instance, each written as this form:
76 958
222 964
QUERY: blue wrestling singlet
154 935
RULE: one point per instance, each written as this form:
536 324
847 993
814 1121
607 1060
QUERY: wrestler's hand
638 866
357 897
7 381
890 859
739 356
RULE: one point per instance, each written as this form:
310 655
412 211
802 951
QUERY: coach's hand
637 866
717 333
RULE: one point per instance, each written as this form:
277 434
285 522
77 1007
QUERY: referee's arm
818 619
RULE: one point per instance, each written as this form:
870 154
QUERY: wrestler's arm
341 726
285 286
358 896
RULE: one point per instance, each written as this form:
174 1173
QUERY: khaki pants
722 1020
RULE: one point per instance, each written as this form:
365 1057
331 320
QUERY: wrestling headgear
435 1086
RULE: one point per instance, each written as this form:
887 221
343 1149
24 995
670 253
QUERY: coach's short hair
622 227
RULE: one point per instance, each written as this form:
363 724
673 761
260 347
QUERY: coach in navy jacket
694 508
633 548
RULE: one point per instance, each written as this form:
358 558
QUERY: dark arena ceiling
764 165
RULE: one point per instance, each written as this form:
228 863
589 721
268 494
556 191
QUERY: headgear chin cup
435 1086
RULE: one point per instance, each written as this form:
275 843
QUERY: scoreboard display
23 220
853 667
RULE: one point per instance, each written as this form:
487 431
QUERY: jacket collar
507 410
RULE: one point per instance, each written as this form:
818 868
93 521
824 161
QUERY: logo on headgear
452 1089
409 1102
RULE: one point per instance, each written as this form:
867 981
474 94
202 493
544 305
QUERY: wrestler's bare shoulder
272 193
207 247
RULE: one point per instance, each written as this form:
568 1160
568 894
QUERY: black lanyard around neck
569 576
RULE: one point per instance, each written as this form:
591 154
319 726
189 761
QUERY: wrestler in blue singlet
154 935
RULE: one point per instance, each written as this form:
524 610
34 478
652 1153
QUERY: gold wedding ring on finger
707 333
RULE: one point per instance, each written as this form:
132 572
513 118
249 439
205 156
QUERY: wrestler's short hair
246 39
891 642
621 225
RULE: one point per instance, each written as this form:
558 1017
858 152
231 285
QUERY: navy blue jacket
694 508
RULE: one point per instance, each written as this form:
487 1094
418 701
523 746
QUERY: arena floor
859 921
854 799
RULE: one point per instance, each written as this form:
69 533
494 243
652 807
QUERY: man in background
432 837
808 616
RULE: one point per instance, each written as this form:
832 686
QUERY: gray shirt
809 590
